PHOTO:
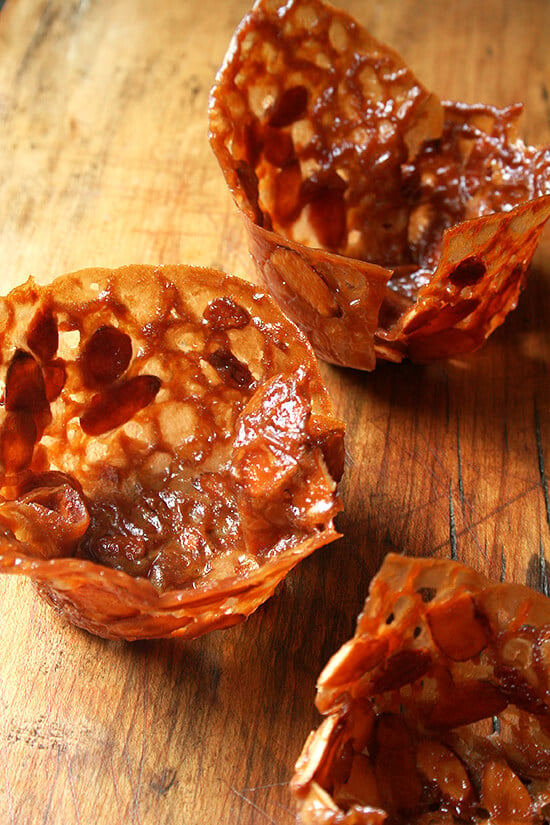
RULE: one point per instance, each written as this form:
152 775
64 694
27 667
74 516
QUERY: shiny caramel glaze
438 709
167 447
386 223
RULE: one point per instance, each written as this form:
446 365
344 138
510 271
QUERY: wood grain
104 160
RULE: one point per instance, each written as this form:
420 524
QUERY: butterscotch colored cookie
386 223
168 450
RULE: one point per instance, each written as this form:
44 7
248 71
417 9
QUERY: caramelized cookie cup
168 450
386 223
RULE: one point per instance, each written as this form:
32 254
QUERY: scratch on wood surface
466 507
48 809
452 525
349 461
381 424
441 482
73 793
280 805
133 790
542 469
115 786
543 571
252 804
470 527
502 565
439 479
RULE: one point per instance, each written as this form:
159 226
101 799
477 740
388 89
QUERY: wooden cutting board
104 160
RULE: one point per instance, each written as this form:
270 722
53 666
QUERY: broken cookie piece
437 711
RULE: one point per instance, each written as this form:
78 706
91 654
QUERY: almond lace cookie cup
386 223
168 450
438 710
